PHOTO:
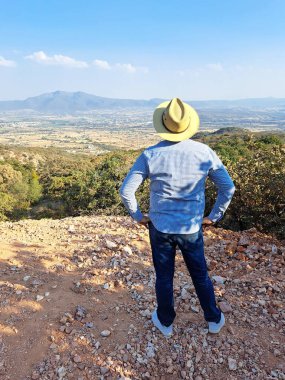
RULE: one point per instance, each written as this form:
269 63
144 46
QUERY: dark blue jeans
163 247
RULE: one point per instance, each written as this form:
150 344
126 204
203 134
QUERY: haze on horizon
141 50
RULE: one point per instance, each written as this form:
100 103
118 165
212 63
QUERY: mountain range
61 102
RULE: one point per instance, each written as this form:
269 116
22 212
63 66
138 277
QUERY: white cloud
126 67
129 68
6 62
215 66
104 65
56 60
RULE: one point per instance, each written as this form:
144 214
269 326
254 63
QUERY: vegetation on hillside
61 184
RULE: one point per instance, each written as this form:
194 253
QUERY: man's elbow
122 192
232 190
125 193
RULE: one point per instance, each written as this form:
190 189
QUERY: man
178 168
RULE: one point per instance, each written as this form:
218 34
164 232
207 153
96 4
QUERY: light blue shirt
177 173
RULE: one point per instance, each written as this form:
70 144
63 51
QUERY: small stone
262 302
61 372
198 355
127 250
39 297
232 363
68 329
26 278
219 279
230 329
225 307
105 333
184 294
18 292
97 345
195 309
243 241
80 313
106 286
53 346
104 370
110 244
46 294
71 228
77 359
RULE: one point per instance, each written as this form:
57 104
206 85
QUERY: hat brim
170 136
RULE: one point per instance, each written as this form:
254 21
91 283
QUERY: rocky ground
76 297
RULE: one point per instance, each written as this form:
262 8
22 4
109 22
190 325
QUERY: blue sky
202 49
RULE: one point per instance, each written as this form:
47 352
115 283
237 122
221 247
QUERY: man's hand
144 220
207 222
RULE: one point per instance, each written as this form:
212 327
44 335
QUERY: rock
61 372
230 329
199 355
195 309
77 359
97 345
244 241
127 250
219 279
104 370
150 351
71 228
39 297
68 329
225 307
184 294
26 278
105 333
240 256
232 363
110 244
80 313
262 302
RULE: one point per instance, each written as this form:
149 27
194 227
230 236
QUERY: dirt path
64 283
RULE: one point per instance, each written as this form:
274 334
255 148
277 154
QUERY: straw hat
175 120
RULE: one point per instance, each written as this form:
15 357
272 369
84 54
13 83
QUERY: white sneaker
165 330
214 328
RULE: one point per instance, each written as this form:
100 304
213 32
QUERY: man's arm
221 178
136 176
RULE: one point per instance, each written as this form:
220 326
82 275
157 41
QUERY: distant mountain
61 102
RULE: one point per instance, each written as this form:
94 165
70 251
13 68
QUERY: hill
76 297
61 102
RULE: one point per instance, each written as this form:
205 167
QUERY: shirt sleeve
221 178
138 173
